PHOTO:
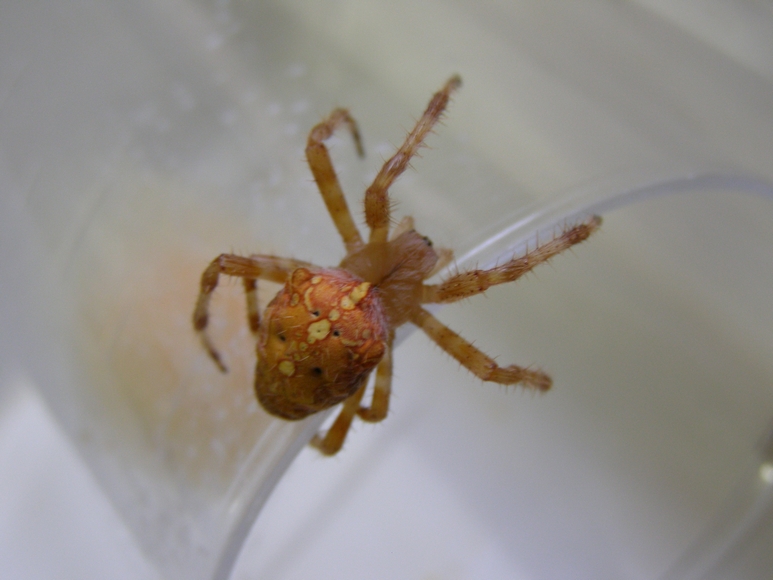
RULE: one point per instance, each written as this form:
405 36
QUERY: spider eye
316 371
315 313
336 333
282 337
427 241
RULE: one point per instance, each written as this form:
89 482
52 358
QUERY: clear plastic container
141 139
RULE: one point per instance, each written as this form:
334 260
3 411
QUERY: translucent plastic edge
598 197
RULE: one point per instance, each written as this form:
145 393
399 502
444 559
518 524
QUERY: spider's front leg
249 269
467 284
326 178
377 205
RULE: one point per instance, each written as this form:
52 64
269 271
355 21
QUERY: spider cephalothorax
327 328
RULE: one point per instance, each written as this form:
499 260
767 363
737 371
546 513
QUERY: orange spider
328 328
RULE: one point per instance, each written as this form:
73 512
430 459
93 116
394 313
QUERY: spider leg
475 282
326 178
377 210
253 314
333 440
475 360
249 269
382 389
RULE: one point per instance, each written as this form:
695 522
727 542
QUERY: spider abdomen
319 339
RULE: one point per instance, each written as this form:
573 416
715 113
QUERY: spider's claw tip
213 354
542 383
218 362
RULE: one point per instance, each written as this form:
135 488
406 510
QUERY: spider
327 329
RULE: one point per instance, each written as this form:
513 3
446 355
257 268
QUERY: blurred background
138 141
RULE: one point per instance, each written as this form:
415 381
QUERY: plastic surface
138 141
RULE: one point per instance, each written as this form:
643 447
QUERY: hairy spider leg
474 360
331 443
250 269
382 389
326 178
377 206
466 284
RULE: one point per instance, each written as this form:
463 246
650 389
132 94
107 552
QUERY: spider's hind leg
333 440
250 270
251 295
382 389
